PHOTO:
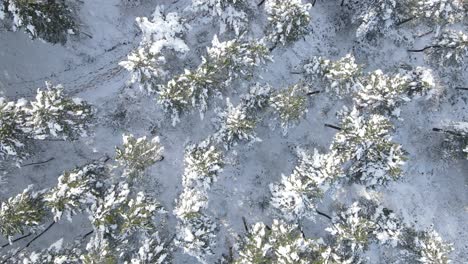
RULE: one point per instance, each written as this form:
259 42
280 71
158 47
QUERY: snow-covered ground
434 189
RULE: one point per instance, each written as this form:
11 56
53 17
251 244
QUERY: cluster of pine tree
125 221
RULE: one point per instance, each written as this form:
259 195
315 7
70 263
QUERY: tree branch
87 234
404 21
447 131
15 240
39 162
297 72
40 234
323 214
261 3
246 227
313 92
426 33
333 126
425 48
462 88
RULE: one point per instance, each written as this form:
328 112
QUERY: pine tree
99 250
196 235
456 136
439 12
235 59
231 13
20 213
290 104
375 16
351 232
146 68
257 98
137 154
51 21
152 250
203 162
161 34
76 190
297 195
388 227
281 243
120 213
366 143
225 62
54 115
381 92
190 89
51 115
51 256
420 81
339 77
196 230
288 20
12 134
432 249
235 125
449 47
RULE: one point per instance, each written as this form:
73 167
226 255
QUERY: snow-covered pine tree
203 162
356 226
257 98
196 235
190 89
450 47
21 213
351 232
290 104
152 250
438 12
235 124
226 61
12 134
231 13
51 21
340 77
288 20
366 143
146 68
382 93
457 136
161 34
431 249
376 16
196 230
234 58
76 190
137 154
281 243
388 226
120 213
54 115
51 115
297 195
420 81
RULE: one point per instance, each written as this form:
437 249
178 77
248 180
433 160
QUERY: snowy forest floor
434 189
